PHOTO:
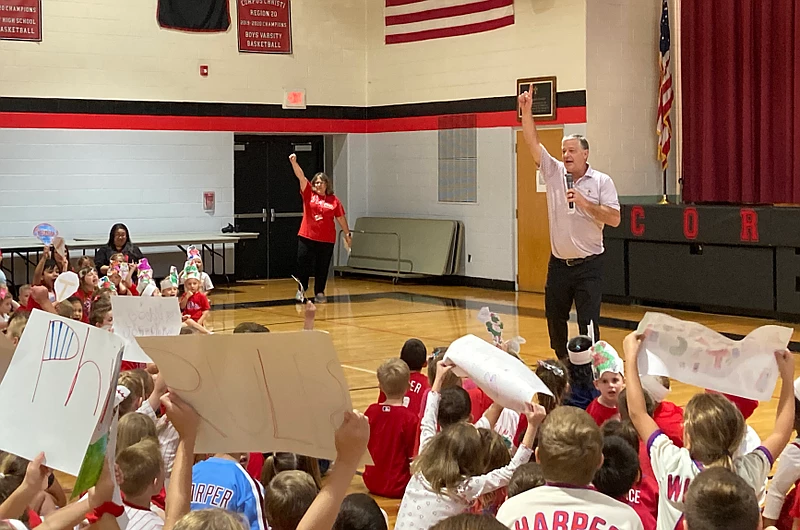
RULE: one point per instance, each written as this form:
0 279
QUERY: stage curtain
740 81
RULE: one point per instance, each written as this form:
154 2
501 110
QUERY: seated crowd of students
452 458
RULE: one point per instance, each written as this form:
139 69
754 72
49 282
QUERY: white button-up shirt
575 235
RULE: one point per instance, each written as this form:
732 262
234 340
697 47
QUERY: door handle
262 215
272 215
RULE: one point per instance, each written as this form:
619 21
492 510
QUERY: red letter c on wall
637 215
691 223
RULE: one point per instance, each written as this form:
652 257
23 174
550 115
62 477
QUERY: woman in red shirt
317 235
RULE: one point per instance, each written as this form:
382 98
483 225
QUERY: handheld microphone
570 185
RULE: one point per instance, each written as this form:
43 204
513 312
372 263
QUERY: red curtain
740 81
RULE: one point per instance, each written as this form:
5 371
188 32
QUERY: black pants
314 255
582 284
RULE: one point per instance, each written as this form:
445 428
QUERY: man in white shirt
577 217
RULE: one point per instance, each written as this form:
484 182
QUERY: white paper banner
136 316
697 355
59 378
504 378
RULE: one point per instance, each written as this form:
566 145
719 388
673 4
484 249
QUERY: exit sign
294 99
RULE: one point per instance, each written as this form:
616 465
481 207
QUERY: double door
267 200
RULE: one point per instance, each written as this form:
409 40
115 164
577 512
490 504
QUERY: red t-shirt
669 418
635 500
416 390
600 413
392 430
319 212
196 305
479 401
33 304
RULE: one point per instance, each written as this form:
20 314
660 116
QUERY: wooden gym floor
370 320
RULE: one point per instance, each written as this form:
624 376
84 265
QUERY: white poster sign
503 377
56 388
697 355
137 316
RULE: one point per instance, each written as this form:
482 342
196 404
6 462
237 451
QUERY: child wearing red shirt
47 270
618 475
415 356
89 282
609 379
194 304
392 432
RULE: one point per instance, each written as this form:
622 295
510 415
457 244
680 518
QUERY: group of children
456 461
630 460
91 302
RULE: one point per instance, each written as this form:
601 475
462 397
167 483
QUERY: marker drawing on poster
144 316
697 355
257 392
61 374
503 377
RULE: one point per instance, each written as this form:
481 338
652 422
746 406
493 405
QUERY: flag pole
664 197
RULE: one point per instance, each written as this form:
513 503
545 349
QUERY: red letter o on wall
637 221
691 223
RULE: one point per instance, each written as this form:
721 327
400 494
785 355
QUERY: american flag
416 20
665 95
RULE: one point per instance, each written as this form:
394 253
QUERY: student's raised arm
784 418
298 172
525 101
311 313
637 409
35 477
179 494
351 442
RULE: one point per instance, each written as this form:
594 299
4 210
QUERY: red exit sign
294 99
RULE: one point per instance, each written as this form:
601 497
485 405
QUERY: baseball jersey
417 389
140 518
196 305
674 470
221 483
786 474
600 413
565 506
392 430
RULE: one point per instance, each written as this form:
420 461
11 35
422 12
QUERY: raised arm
179 493
298 172
525 101
645 425
784 418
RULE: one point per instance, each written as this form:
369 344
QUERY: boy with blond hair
570 452
393 430
143 477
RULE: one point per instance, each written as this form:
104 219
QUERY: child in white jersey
713 430
446 477
787 473
570 451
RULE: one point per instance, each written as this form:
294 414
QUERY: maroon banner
21 20
265 26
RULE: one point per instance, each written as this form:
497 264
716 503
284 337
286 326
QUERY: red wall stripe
446 12
395 3
42 120
450 32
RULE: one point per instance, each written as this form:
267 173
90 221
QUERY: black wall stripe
576 98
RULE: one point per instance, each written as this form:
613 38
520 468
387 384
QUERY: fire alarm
204 70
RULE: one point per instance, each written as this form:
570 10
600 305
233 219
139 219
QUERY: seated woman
119 241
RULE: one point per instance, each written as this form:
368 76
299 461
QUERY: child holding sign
713 430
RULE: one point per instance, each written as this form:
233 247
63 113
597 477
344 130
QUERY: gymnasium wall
108 49
622 80
547 38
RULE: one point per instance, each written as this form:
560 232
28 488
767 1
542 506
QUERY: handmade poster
257 392
503 377
45 233
61 375
697 355
144 316
6 353
66 285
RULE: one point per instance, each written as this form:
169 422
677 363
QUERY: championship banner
265 26
21 20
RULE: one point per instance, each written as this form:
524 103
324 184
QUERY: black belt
574 262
